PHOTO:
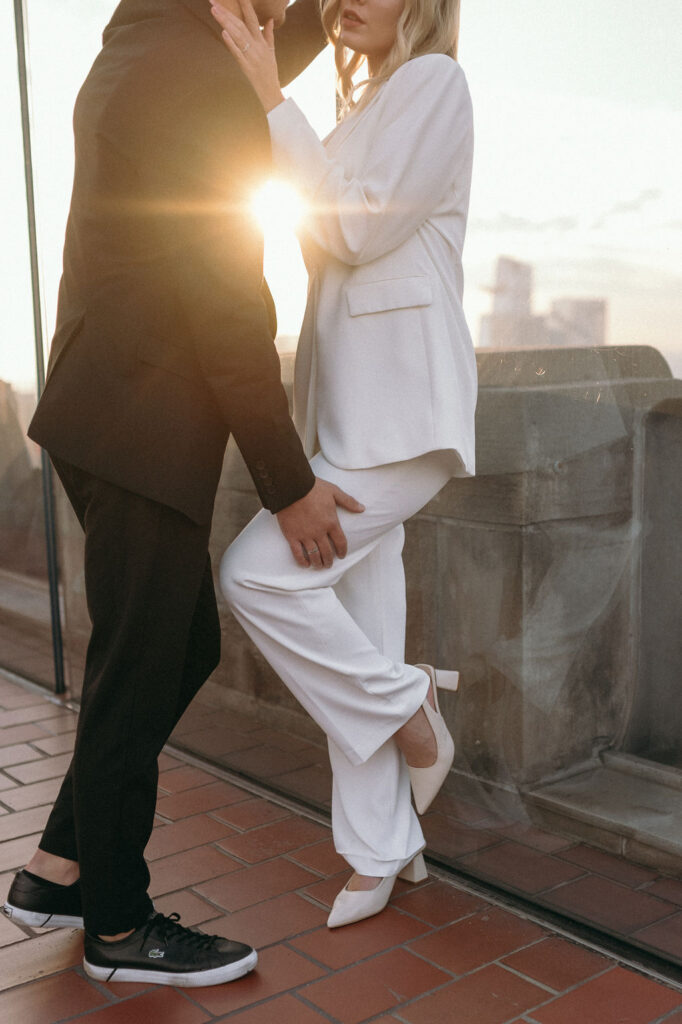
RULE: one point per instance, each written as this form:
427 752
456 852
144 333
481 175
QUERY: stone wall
525 577
655 727
538 591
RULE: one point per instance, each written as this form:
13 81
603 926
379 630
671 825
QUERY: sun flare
277 207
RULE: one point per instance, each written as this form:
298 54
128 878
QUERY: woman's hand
253 50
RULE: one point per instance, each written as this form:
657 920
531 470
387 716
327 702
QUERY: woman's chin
346 37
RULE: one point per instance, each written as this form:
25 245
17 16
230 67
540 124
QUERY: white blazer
385 367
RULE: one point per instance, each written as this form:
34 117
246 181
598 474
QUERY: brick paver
243 866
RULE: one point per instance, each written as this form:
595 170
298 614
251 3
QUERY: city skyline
514 321
578 139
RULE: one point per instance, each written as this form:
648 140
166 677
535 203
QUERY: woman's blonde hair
425 26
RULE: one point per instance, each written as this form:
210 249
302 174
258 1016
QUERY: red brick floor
244 866
472 831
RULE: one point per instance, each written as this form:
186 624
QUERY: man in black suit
164 346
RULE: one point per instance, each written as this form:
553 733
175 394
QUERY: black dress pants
155 639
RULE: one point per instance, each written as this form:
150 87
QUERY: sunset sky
577 160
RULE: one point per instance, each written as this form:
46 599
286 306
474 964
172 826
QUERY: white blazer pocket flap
396 293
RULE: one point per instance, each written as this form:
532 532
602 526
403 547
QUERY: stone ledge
625 805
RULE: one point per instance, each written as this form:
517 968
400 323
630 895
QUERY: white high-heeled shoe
353 905
427 781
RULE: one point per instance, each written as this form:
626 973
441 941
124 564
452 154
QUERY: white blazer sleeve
424 137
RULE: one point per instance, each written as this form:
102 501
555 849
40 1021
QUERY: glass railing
551 579
25 620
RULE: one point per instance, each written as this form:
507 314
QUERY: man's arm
299 40
220 156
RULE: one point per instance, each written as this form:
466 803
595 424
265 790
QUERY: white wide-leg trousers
336 637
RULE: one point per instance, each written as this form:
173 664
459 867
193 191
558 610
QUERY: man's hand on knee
311 525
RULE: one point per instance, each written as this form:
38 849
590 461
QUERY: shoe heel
105 974
415 871
440 678
446 679
35 918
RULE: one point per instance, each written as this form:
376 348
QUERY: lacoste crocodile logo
155 953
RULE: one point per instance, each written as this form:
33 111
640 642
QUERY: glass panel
573 234
25 626
551 579
557 567
54 86
75 28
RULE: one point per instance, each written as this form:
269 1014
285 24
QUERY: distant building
512 330
513 289
577 322
512 323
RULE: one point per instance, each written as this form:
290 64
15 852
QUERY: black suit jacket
164 339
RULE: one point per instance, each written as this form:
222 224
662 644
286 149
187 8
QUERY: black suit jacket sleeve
299 40
218 151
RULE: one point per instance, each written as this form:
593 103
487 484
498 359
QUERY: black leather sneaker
163 952
41 904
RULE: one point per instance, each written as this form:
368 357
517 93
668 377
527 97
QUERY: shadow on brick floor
247 867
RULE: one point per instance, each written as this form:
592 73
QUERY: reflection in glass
551 580
563 790
25 623
50 31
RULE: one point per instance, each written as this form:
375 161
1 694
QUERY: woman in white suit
384 397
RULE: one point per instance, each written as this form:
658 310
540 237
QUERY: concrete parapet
537 578
537 597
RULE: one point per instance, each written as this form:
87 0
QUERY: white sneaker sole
36 919
191 979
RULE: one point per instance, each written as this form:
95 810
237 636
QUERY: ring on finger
313 551
246 47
